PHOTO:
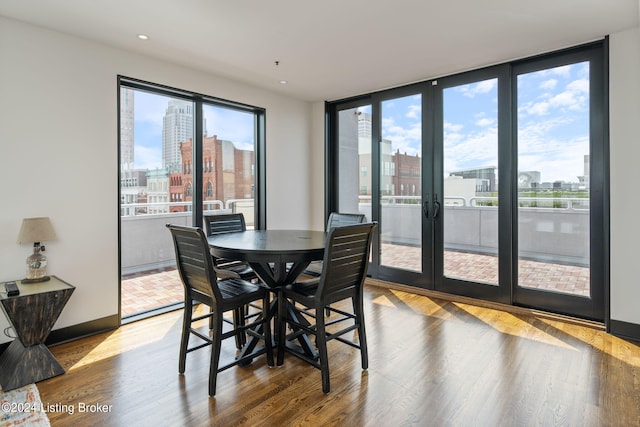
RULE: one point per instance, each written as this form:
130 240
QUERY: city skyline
552 110
150 109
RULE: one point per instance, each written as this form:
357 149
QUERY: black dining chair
228 223
336 219
201 285
344 268
232 223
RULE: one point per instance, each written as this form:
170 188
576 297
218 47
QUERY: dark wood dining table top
278 256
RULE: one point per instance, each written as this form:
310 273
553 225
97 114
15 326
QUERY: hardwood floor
432 362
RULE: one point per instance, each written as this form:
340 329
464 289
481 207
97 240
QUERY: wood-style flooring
432 362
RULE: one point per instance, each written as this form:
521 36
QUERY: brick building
227 173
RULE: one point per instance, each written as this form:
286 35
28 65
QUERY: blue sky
553 132
149 112
553 126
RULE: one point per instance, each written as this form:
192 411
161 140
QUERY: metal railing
556 232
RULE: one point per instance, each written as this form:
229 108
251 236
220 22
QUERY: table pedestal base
22 365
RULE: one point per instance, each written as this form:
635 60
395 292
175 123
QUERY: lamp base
38 280
36 265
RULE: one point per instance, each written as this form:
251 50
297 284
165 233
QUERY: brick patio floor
152 289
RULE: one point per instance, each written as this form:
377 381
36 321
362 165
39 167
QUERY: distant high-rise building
126 129
364 125
177 127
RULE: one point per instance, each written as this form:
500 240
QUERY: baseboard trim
624 330
75 332
82 330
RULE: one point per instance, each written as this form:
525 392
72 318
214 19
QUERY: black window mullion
198 198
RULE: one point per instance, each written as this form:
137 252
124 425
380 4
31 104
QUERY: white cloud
415 111
406 139
573 97
539 108
452 127
579 86
556 158
475 149
485 122
549 84
471 90
564 70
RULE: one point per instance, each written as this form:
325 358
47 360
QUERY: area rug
22 407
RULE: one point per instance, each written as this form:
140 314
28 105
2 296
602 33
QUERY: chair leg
358 309
321 343
266 328
215 353
238 320
281 328
186 326
211 318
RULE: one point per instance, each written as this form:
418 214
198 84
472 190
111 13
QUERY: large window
490 184
182 156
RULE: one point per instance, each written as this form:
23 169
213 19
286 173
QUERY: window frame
199 101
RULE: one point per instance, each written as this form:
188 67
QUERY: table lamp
36 230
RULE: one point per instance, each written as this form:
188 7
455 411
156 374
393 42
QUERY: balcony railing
558 233
470 231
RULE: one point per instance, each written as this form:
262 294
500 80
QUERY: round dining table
278 257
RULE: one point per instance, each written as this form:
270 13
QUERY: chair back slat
337 219
346 260
224 223
194 262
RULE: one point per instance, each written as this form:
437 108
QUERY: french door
489 184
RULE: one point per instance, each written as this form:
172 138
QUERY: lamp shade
36 230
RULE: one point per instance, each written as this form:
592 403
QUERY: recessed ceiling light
143 37
283 82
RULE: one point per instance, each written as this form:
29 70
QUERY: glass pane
553 179
228 175
354 139
401 183
153 127
470 160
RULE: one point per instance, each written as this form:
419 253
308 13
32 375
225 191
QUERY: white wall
625 157
58 141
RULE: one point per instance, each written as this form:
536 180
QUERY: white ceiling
333 48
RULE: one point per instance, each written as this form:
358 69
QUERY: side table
32 314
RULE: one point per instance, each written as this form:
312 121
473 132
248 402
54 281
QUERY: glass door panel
553 179
354 161
400 180
153 128
228 162
470 181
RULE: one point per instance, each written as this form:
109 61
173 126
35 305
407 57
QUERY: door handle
425 208
436 206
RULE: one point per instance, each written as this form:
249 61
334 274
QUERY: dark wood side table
32 314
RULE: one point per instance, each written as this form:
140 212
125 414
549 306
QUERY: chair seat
314 269
237 291
306 288
305 291
237 270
